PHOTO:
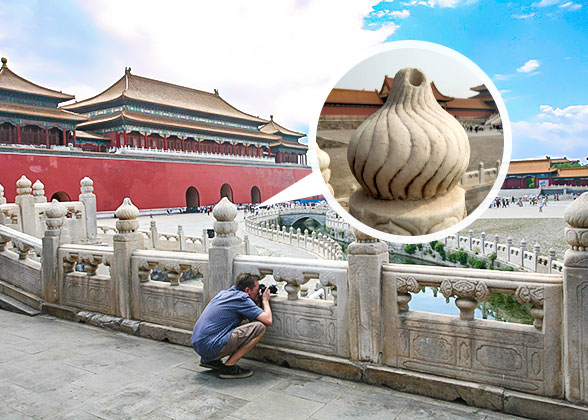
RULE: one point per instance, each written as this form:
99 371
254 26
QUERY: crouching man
219 331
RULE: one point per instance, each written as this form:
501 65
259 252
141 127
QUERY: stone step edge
24 297
448 389
13 305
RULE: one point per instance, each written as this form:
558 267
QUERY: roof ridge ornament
4 61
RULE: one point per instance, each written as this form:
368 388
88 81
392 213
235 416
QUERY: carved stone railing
191 154
303 323
264 223
18 264
176 303
27 214
515 356
364 325
166 241
481 176
84 278
518 257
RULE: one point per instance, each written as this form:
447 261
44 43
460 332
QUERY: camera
272 288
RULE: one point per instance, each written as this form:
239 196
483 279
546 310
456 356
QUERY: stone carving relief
534 296
466 291
404 285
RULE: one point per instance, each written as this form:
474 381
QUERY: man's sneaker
213 364
234 372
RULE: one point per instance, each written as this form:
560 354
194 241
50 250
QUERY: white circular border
507 148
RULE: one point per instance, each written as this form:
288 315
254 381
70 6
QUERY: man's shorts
240 336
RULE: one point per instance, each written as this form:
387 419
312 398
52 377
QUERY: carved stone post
246 245
366 256
496 239
49 265
224 247
536 254
125 242
181 238
481 172
508 247
551 258
88 199
575 301
483 243
523 249
154 234
471 239
26 202
39 192
205 239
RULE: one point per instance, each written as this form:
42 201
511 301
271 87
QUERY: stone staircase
17 300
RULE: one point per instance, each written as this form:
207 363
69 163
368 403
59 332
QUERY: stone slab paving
56 369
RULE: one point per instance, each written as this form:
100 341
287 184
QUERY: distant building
161 144
535 173
353 104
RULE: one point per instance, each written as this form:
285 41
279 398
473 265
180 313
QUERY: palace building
162 144
536 173
353 104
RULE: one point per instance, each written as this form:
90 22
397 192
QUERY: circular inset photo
413 142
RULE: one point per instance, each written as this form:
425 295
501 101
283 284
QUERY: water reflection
499 307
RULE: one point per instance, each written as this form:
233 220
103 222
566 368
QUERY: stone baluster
305 238
483 243
124 243
2 198
154 234
26 203
298 237
88 199
39 192
523 249
290 235
466 293
481 172
91 263
575 301
508 247
457 238
182 238
205 239
246 245
366 257
536 254
496 239
223 249
470 239
551 259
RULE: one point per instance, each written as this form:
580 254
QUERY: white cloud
570 6
565 130
440 3
503 76
545 3
527 16
264 58
400 14
529 66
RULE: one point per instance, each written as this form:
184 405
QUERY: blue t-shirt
218 320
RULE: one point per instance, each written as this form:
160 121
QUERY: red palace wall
149 184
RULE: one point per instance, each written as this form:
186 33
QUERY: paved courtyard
56 369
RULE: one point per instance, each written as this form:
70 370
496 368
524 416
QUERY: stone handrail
22 242
366 328
320 245
522 354
481 176
320 325
518 257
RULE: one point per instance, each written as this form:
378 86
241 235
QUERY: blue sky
268 57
